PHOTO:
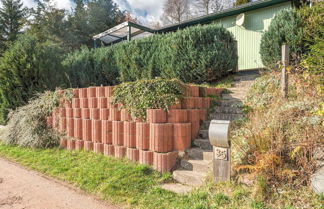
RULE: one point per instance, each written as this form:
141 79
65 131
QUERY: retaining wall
92 123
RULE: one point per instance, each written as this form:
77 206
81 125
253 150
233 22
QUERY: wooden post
284 75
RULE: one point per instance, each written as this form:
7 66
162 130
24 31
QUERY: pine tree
12 19
48 22
78 26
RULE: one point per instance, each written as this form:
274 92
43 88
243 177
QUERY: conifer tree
12 19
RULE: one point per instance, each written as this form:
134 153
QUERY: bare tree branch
175 11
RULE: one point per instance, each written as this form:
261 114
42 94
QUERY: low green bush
141 95
285 28
195 55
28 67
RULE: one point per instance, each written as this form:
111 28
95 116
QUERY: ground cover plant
141 95
137 186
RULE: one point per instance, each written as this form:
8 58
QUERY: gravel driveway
21 188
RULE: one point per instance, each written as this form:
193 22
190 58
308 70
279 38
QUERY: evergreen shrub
285 28
28 67
87 67
195 55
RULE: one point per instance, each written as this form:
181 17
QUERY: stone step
203 144
177 188
235 89
205 124
196 165
222 116
230 103
203 134
234 96
246 77
191 178
200 154
245 85
227 109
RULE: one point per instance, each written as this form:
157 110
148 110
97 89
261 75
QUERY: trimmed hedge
88 67
196 55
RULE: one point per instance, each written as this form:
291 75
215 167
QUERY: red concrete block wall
130 134
161 137
142 136
91 122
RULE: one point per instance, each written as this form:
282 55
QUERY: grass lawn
137 186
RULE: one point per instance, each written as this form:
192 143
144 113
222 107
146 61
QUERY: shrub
26 68
196 54
313 37
314 59
312 23
138 59
91 67
278 138
27 124
141 95
286 27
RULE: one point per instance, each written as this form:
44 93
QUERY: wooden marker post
218 137
284 75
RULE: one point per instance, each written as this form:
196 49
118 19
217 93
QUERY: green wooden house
247 23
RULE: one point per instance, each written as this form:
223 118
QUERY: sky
62 4
147 11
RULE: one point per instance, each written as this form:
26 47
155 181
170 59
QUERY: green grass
137 186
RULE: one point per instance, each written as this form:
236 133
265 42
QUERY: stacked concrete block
91 122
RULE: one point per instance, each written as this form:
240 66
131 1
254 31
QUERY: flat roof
121 31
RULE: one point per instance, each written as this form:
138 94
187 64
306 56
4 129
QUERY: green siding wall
249 36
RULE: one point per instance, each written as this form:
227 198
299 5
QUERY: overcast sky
146 10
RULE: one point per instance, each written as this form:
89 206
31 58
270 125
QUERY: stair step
191 178
200 154
203 144
234 96
222 116
227 109
177 188
203 134
205 124
246 77
196 165
230 103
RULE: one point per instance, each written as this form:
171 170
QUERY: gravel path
25 189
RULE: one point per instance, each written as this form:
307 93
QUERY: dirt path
24 189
